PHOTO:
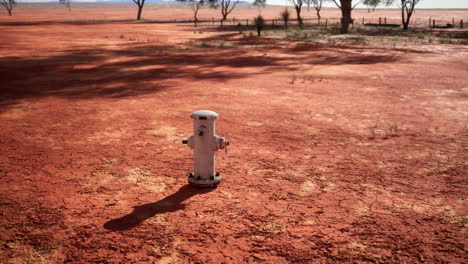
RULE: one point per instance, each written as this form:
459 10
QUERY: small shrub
392 130
285 16
122 36
259 24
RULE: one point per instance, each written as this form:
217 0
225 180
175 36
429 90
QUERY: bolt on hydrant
204 142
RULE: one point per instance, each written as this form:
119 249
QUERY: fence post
433 23
380 21
430 21
385 20
363 20
453 21
326 22
461 23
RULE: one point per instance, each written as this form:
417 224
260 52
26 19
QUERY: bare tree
227 6
346 7
298 6
407 9
66 3
195 5
317 5
140 4
371 4
8 5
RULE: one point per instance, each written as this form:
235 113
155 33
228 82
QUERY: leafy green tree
259 4
371 4
8 5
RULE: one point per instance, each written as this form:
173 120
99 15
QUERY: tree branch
356 4
337 4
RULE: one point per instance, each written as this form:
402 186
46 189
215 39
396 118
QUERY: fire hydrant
205 143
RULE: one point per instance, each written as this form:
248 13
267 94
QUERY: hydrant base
215 180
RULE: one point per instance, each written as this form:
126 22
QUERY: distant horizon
424 4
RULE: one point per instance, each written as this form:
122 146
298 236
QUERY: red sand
338 153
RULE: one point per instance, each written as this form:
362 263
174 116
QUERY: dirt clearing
339 152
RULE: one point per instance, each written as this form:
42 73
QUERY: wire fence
333 22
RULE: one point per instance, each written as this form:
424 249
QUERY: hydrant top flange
204 115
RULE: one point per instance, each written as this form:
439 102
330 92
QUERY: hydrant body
205 143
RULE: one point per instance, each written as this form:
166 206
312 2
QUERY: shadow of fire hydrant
140 213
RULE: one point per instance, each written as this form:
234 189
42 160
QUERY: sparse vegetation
259 4
195 5
317 6
259 24
298 7
8 5
226 6
140 4
285 16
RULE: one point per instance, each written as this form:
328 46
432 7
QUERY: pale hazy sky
421 4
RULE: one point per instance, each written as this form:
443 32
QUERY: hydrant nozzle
205 143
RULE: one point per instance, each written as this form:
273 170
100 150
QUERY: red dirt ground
338 153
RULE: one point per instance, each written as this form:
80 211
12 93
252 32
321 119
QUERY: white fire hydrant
204 142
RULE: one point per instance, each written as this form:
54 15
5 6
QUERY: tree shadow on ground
126 71
171 203
138 69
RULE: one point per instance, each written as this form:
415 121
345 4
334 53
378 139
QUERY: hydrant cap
204 114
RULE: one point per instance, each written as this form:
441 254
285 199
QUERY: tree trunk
9 12
224 16
405 26
403 20
298 13
195 20
318 14
140 9
345 15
